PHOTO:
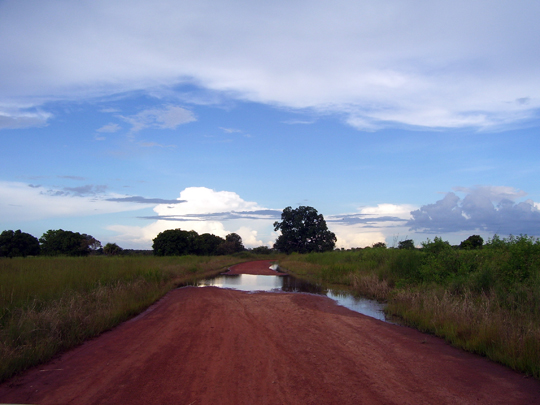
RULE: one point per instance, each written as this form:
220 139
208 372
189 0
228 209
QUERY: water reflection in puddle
253 283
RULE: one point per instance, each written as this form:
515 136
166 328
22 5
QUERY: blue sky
394 119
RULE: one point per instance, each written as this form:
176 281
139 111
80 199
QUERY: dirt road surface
215 346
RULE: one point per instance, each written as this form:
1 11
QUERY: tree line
303 230
174 242
177 242
52 243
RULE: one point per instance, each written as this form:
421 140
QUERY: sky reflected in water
286 283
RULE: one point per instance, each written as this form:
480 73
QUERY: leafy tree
207 244
472 242
381 245
60 242
437 246
232 244
112 249
406 244
17 243
91 243
303 230
236 241
175 242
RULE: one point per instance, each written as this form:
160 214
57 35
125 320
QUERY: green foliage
472 242
379 245
523 256
406 244
174 242
262 250
60 242
177 242
437 246
232 244
303 230
207 244
112 249
17 243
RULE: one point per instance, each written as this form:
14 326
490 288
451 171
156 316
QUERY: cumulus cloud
438 64
223 212
205 211
484 208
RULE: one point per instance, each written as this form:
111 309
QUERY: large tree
207 244
17 243
175 242
303 230
232 244
60 242
472 242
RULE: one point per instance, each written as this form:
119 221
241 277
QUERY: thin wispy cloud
76 178
87 190
169 117
230 130
109 128
144 200
299 122
154 145
221 216
12 119
24 203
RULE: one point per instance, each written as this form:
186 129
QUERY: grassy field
485 301
50 304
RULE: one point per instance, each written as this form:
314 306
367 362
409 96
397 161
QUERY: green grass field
50 304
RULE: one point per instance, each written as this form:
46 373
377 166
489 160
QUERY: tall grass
51 304
486 301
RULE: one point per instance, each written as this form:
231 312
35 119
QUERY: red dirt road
259 268
214 346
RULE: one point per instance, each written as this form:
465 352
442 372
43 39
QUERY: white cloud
402 211
436 64
230 130
202 200
195 213
371 224
169 117
20 119
110 128
223 212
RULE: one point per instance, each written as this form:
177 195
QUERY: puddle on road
287 283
